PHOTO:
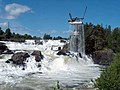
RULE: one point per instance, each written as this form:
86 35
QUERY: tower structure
77 42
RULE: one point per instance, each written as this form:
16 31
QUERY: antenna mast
8 25
84 12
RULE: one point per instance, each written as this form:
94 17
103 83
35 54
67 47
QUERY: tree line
8 35
98 37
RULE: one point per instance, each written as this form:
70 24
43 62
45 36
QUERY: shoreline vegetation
110 77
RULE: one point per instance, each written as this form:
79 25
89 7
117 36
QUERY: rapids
71 71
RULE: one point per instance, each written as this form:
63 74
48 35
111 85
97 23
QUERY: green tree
1 31
8 33
17 36
110 77
108 37
116 40
13 35
47 36
89 38
26 36
97 37
58 38
1 34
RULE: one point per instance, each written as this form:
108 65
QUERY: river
72 73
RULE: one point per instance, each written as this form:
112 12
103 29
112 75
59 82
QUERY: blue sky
37 17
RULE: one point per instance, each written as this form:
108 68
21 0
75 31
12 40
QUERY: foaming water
71 71
77 39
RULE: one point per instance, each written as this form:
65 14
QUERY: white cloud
14 10
69 31
4 24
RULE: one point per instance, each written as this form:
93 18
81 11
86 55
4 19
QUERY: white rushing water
71 71
77 42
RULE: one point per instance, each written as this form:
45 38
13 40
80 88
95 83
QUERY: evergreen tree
108 37
47 36
116 40
17 36
26 36
1 31
8 33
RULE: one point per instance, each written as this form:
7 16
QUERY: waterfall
77 41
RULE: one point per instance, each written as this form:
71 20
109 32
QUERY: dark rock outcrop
62 41
38 55
38 42
8 61
8 52
61 52
64 50
3 47
103 57
18 58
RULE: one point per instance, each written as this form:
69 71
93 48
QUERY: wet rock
59 48
3 47
23 68
8 52
38 55
64 50
63 41
61 52
103 57
19 58
38 42
38 58
39 65
8 61
80 55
